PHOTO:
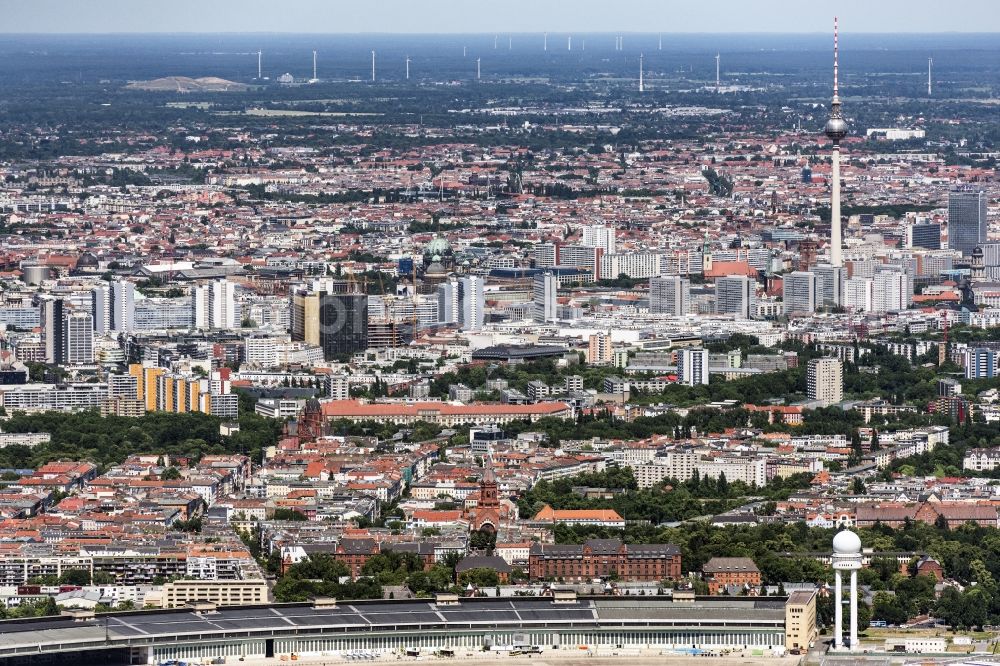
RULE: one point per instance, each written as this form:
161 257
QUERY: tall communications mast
835 130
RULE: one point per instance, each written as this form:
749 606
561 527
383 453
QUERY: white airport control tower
846 557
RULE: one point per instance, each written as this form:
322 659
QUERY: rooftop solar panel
247 623
333 616
392 608
153 618
405 618
180 627
248 612
326 620
477 616
42 625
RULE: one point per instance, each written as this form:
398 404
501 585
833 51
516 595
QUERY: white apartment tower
734 294
859 294
79 338
829 285
825 379
448 303
214 305
122 306
544 301
892 291
470 291
799 292
600 236
692 366
670 295
100 301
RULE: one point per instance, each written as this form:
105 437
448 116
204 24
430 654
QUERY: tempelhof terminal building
681 624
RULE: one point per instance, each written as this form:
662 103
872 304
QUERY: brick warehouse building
601 558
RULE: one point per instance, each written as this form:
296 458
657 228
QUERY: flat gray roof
183 625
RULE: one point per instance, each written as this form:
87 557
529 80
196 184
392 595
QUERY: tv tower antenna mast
373 67
641 87
315 78
260 56
478 70
407 68
718 88
835 130
545 41
569 43
659 45
930 62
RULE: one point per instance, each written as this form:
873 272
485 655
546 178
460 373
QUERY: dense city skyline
394 347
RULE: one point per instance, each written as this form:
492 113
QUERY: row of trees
322 575
109 440
666 502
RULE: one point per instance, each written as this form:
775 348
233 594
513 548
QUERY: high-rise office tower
692 366
670 295
829 285
734 294
448 302
966 220
825 380
53 330
343 325
304 316
926 235
79 329
600 236
473 312
892 291
544 303
799 292
835 130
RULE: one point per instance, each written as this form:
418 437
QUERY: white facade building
692 366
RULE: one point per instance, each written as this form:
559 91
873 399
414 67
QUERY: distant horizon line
477 34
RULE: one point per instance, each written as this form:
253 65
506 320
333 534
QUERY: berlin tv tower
835 130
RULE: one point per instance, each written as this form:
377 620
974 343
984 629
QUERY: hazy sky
489 16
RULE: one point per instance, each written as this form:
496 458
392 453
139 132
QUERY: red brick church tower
488 509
